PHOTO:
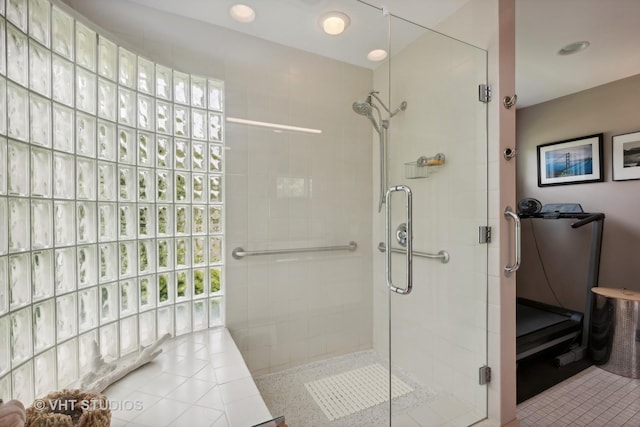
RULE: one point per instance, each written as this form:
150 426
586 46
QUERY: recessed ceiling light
377 55
242 13
334 23
574 48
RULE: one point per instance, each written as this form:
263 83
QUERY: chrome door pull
409 240
512 268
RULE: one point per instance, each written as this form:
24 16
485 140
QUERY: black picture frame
572 161
625 156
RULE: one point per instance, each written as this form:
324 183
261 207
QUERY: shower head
402 107
365 108
362 107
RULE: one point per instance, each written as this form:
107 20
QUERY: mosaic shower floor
285 394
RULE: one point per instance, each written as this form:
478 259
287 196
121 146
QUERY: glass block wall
111 202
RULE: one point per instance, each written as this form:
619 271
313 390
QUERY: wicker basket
69 408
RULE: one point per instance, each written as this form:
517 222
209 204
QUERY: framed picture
626 156
574 161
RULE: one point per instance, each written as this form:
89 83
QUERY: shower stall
386 162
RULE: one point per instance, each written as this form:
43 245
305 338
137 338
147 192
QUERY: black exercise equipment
541 326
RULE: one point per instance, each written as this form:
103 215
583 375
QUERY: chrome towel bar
239 253
443 256
512 268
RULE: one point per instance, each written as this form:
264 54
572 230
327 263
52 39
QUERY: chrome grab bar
443 256
409 251
239 253
512 268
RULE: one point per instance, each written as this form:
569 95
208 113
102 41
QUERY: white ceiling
542 28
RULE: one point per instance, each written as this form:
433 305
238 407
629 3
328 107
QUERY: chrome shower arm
374 94
402 107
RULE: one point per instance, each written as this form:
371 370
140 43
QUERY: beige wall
611 109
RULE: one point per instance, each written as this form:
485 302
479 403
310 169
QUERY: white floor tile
140 400
206 374
221 422
226 358
187 367
188 348
232 373
212 399
182 386
116 422
119 390
165 360
594 397
220 342
198 416
162 413
239 389
141 375
202 354
190 391
248 411
162 384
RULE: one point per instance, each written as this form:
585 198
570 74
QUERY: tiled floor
200 379
594 398
285 394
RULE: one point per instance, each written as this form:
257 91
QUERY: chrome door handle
512 268
409 232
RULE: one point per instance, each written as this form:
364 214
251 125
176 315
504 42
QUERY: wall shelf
423 166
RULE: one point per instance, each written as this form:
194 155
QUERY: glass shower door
437 159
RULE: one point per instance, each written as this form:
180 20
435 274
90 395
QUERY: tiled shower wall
111 201
283 189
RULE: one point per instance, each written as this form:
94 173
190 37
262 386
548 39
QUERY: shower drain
356 390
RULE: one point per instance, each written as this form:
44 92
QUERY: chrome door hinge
484 234
485 375
484 93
